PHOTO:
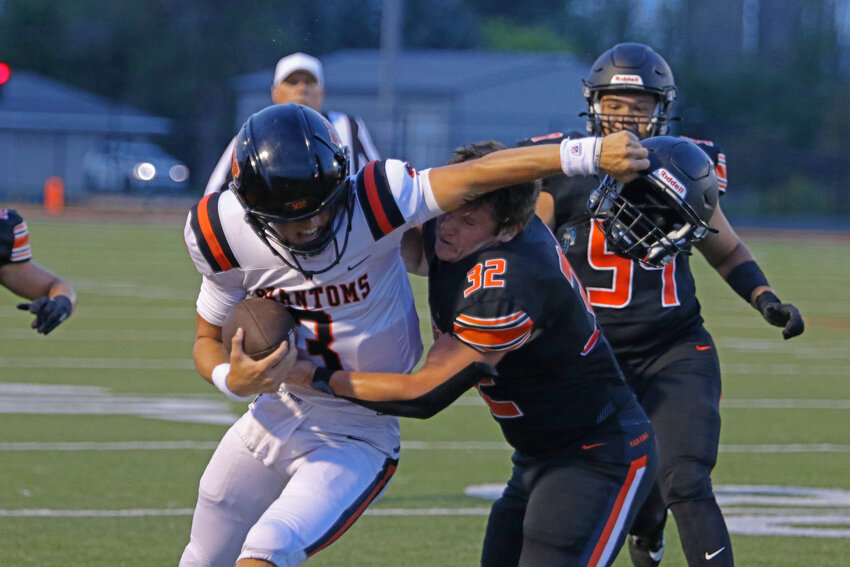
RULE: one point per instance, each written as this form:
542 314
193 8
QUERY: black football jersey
14 238
558 379
639 309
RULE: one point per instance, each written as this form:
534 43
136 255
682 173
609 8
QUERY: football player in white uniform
301 466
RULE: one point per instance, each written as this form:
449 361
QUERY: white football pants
282 496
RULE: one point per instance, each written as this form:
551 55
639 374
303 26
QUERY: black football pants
573 508
680 391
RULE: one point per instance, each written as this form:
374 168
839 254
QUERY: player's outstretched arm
238 376
53 298
450 369
619 155
728 254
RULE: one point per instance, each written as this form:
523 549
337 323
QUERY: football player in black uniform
53 298
649 310
513 321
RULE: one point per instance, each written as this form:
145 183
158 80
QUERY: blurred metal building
47 127
444 98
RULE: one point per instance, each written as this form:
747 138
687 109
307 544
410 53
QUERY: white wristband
219 379
579 156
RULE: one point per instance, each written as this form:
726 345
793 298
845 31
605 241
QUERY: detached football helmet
288 165
664 210
630 67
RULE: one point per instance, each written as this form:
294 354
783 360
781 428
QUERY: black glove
780 314
49 312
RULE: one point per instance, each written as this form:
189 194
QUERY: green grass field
105 427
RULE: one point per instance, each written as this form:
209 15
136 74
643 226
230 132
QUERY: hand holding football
266 324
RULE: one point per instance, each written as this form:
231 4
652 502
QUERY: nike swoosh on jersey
703 347
586 447
351 267
710 556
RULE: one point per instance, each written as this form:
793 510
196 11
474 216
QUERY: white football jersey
360 314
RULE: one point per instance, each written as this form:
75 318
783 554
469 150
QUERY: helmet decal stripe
377 201
206 224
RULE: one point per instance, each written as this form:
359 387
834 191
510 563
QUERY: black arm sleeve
438 399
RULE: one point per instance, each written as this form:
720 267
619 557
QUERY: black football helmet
630 67
288 165
664 210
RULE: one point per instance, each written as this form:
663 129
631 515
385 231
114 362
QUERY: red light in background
5 73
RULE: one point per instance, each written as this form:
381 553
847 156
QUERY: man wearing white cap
299 78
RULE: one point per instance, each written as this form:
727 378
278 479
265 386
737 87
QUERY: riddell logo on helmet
671 182
296 205
627 80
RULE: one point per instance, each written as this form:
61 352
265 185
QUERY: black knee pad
685 480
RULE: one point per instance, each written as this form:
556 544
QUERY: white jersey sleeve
221 287
217 297
392 194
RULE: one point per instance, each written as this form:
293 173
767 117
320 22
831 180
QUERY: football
266 323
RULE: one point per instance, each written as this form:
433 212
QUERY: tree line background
767 79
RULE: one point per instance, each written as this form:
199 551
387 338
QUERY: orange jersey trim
209 235
501 333
375 201
602 552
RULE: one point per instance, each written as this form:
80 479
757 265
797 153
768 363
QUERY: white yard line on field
141 512
134 289
98 363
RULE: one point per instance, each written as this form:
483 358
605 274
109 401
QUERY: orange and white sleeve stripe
21 250
494 333
720 171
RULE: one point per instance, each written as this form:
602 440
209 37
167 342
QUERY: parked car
120 166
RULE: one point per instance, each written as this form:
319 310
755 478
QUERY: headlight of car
178 173
144 171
